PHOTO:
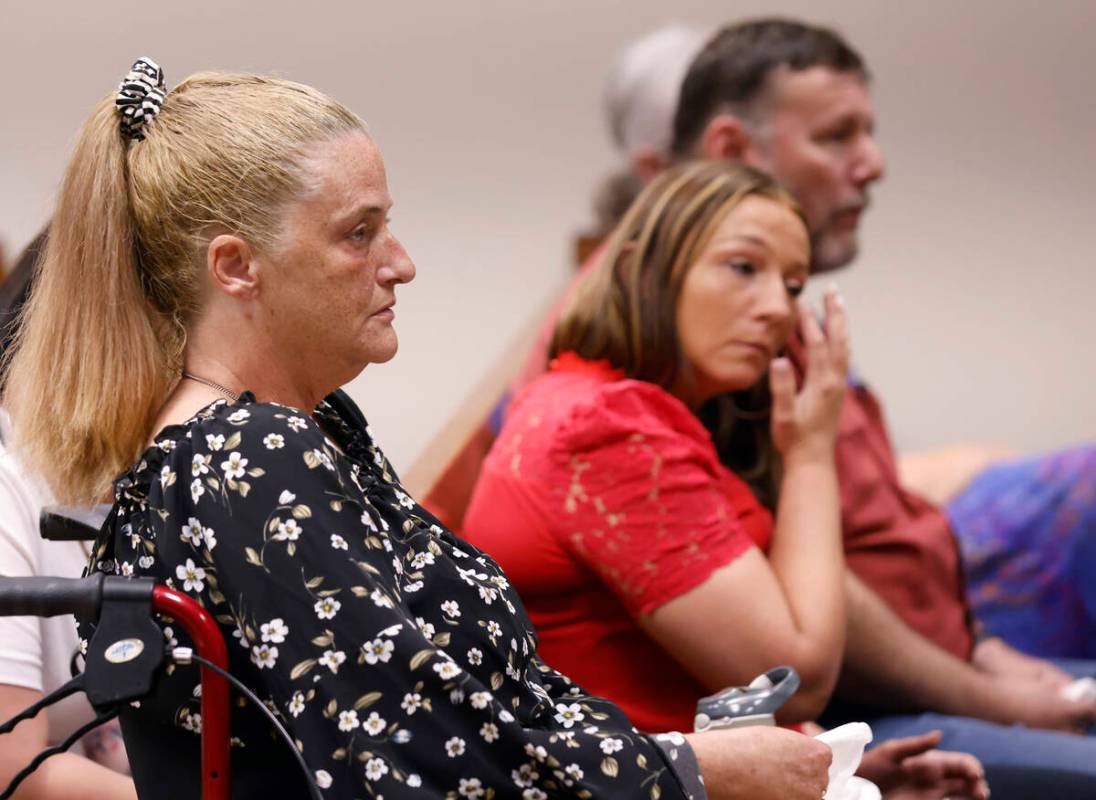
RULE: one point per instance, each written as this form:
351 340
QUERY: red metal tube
206 635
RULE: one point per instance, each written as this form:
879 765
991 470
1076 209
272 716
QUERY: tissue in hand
1080 689
847 743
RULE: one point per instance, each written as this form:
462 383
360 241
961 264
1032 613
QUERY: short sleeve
640 497
21 656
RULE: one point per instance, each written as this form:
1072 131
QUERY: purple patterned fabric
1027 530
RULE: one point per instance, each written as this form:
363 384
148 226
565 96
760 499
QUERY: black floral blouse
398 656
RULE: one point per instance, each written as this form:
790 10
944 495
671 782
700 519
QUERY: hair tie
140 96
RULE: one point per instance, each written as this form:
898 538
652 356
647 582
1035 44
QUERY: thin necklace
212 385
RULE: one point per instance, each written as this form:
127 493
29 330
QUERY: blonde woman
220 262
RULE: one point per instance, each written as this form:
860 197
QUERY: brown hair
625 312
733 69
100 343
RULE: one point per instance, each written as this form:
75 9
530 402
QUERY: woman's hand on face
761 763
804 424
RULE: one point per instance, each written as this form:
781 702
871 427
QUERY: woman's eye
743 267
794 288
360 233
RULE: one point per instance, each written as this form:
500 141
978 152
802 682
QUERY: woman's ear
230 261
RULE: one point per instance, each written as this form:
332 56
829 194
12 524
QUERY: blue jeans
1011 748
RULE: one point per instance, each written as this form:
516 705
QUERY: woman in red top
650 570
652 573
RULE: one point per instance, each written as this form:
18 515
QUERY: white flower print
215 441
375 769
144 562
525 774
374 723
288 531
234 467
192 532
273 441
167 445
403 499
574 771
380 599
446 670
412 702
454 747
196 490
297 424
422 559
348 720
274 631
378 650
610 746
264 656
296 704
193 576
451 608
166 476
480 699
471 788
338 542
534 793
487 594
367 521
489 731
536 751
413 586
323 779
240 637
414 780
493 629
193 722
332 659
425 627
568 715
402 736
475 656
327 607
127 569
239 416
199 464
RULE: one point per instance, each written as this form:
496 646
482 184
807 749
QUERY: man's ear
230 261
725 137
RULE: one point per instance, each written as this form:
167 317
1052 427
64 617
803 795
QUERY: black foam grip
49 597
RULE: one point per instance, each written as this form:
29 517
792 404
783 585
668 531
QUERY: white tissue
1080 689
847 743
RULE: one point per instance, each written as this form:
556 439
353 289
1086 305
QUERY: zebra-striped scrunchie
140 96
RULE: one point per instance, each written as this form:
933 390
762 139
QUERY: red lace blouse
602 499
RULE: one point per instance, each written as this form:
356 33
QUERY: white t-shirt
35 652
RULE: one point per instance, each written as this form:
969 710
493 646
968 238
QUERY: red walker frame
206 635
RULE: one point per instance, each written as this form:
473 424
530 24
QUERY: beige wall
973 298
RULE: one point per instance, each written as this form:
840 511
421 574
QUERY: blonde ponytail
101 337
88 372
